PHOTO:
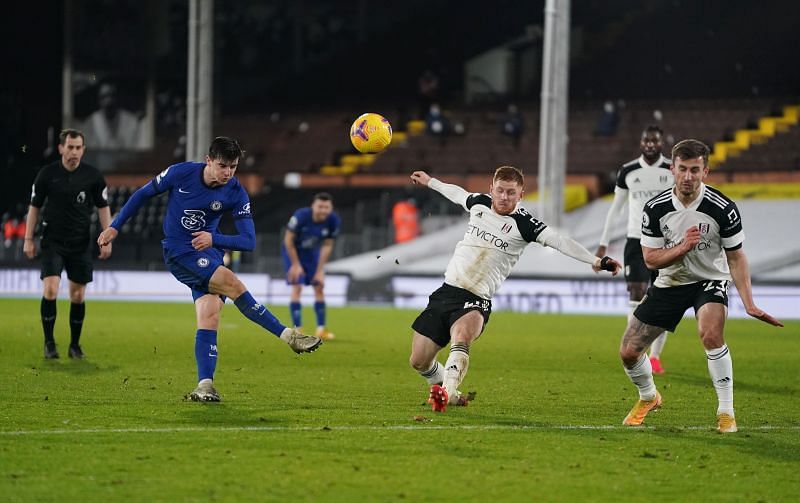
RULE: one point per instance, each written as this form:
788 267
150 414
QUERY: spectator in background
428 91
405 217
609 120
111 127
513 125
436 124
14 227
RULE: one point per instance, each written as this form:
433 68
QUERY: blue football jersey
309 235
193 206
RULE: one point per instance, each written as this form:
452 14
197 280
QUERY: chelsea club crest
202 262
216 205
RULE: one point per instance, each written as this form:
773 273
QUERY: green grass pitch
349 423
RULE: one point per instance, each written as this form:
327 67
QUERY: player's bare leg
462 334
638 336
636 292
710 325
423 359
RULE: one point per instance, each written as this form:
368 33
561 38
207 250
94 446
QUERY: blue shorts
194 269
308 262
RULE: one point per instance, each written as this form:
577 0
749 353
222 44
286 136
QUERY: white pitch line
397 427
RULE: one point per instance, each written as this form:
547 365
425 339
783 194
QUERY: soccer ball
371 133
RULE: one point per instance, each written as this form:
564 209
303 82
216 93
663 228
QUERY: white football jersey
491 246
664 224
642 182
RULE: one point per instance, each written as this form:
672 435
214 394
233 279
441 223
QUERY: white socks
434 375
720 367
455 369
658 345
642 376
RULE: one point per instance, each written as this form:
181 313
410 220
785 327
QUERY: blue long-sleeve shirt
194 206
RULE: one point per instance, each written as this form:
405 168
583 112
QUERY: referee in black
72 190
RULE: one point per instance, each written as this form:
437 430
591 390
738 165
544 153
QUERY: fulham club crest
703 228
506 228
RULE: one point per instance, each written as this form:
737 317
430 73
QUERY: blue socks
205 352
319 308
296 309
259 314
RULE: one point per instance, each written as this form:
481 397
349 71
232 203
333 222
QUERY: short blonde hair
509 174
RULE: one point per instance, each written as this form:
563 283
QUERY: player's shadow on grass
227 415
74 367
739 384
763 444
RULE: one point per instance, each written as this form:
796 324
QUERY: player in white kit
497 233
638 181
691 233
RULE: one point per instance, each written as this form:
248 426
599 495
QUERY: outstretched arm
620 195
740 271
448 190
572 248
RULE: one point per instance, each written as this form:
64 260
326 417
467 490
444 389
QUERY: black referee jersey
68 199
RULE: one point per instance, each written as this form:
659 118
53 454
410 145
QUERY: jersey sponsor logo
292 225
733 217
496 241
245 210
645 194
193 220
161 176
202 262
81 197
645 220
482 304
216 205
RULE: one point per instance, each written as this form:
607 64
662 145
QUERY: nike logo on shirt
183 191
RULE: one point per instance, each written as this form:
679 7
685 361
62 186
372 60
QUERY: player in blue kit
307 245
199 193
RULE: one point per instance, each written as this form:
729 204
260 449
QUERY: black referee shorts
635 269
664 307
445 306
78 263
